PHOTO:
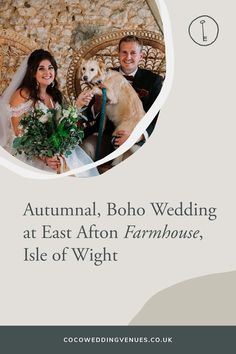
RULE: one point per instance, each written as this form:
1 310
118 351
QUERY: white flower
74 115
49 114
65 113
42 107
43 118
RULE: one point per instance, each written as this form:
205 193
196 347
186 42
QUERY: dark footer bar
117 339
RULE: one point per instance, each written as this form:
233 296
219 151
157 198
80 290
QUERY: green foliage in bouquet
51 132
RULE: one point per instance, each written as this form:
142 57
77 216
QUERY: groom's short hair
131 38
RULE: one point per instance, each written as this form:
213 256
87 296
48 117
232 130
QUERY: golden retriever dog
124 108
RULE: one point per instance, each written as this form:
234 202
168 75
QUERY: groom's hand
120 137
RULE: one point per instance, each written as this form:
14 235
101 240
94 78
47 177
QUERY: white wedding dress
77 158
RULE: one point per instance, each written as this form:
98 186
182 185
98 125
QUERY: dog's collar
92 84
96 83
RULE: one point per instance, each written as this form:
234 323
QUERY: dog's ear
82 63
102 66
80 68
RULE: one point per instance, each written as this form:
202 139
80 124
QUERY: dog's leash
101 123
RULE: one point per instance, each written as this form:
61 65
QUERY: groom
146 84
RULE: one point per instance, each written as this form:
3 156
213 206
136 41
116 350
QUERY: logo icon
203 30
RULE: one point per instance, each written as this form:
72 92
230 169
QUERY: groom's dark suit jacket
148 86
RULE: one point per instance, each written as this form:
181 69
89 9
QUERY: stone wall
63 26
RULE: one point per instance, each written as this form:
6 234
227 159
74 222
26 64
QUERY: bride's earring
53 84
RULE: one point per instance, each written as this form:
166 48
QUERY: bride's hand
52 162
84 98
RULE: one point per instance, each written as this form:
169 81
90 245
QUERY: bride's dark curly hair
29 81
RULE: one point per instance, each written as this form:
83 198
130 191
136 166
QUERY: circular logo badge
203 30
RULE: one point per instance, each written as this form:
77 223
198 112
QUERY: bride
34 86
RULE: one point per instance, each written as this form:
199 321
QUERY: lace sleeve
20 109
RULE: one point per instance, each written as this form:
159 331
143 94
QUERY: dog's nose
85 78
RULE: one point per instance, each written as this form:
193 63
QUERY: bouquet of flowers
50 132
